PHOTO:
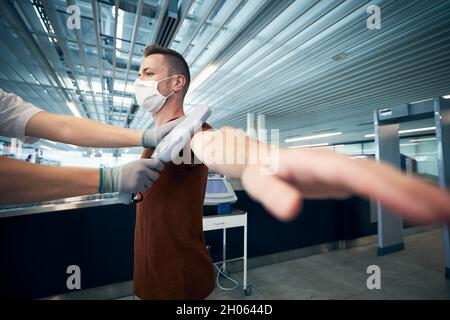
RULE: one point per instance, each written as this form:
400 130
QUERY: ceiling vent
168 25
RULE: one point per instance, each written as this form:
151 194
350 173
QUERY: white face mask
147 95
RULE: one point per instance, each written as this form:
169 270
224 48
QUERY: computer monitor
219 190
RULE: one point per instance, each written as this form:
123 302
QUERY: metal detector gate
386 125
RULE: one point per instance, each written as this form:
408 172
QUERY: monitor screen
216 186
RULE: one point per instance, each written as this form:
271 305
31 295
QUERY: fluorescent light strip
408 144
73 109
316 136
45 147
119 27
371 135
49 141
420 140
202 76
42 23
422 100
417 130
72 146
310 145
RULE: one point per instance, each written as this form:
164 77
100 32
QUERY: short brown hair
177 63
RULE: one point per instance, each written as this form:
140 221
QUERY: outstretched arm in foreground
281 178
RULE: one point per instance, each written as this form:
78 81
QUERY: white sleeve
14 116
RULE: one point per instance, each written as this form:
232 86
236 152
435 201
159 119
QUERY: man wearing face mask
170 257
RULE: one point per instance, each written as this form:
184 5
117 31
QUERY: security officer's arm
23 182
281 178
88 133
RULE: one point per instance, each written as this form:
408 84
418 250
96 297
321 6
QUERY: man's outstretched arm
23 182
89 133
298 174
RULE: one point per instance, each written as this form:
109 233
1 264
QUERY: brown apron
170 257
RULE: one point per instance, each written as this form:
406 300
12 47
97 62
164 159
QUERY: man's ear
181 82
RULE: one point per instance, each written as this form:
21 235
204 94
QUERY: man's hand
309 174
151 137
132 177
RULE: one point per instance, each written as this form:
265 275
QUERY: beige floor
416 273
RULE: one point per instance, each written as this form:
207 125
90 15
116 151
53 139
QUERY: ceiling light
310 145
414 102
316 136
417 130
73 109
42 23
420 140
119 27
371 135
202 76
408 144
